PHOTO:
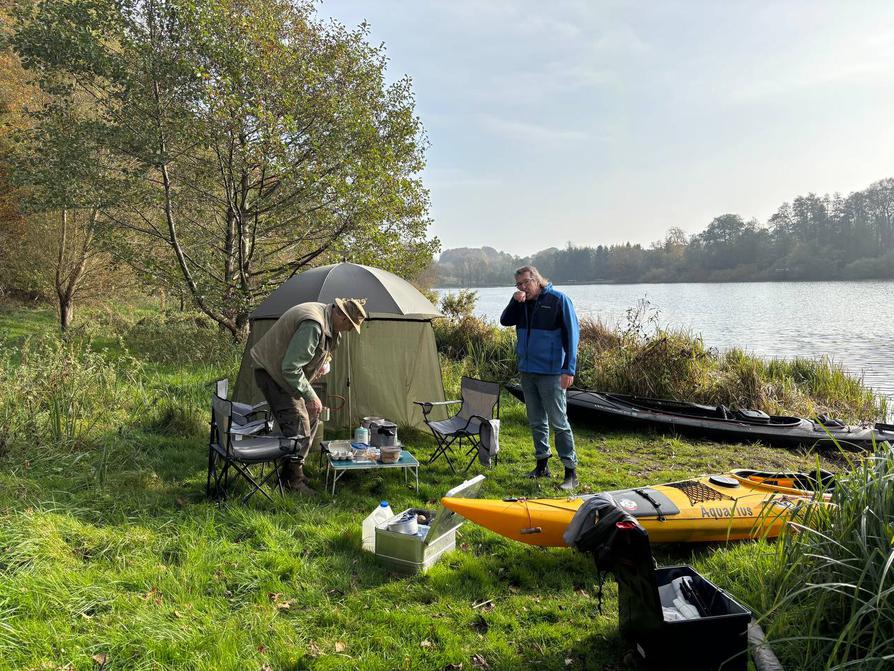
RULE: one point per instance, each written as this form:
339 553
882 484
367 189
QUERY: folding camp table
338 467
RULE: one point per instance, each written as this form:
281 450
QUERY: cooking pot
367 421
405 523
383 433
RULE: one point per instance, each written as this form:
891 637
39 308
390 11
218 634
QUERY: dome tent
392 362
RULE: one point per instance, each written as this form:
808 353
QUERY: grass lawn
112 558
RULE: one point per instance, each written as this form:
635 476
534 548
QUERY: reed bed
830 590
647 359
59 394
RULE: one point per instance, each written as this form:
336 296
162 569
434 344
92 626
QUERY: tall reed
834 577
181 338
60 394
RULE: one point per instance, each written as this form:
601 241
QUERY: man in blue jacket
547 330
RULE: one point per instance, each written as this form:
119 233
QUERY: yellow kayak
737 505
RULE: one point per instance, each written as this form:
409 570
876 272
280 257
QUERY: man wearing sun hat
289 358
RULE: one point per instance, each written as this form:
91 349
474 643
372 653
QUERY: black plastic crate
717 641
716 636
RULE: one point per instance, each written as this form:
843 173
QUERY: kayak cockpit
819 481
700 411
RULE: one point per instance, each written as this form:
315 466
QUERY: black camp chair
244 413
480 402
251 420
237 447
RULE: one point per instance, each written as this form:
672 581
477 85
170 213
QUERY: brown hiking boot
292 475
305 489
294 479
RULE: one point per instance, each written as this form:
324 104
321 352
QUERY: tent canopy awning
387 295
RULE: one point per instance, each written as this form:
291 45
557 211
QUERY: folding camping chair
244 413
239 447
480 402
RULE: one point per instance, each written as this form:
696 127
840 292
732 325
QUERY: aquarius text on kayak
717 513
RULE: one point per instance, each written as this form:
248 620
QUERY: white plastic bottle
381 514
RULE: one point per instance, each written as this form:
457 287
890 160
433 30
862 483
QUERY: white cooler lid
446 520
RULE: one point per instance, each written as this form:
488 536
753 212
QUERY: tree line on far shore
812 238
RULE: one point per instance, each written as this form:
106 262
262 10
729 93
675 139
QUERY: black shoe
542 470
570 479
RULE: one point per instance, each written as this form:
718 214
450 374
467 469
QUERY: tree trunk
242 327
64 298
66 312
71 265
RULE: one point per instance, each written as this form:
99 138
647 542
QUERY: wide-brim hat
353 309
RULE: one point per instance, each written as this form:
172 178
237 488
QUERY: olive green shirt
300 352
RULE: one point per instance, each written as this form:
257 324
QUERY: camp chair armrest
250 429
262 414
478 417
428 406
251 412
261 409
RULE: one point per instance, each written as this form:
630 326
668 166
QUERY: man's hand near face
522 287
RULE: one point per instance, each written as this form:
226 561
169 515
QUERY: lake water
851 322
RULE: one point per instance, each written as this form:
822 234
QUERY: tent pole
348 386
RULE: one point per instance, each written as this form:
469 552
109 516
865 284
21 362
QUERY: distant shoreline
617 283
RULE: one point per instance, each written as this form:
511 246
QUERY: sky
588 122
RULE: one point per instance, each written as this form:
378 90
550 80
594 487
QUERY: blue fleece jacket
547 332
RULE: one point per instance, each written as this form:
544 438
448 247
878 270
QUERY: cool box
416 553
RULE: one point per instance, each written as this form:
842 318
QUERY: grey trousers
545 401
290 413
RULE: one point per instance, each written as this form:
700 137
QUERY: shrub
59 394
482 349
870 268
458 306
182 338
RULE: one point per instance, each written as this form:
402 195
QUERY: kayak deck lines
734 506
